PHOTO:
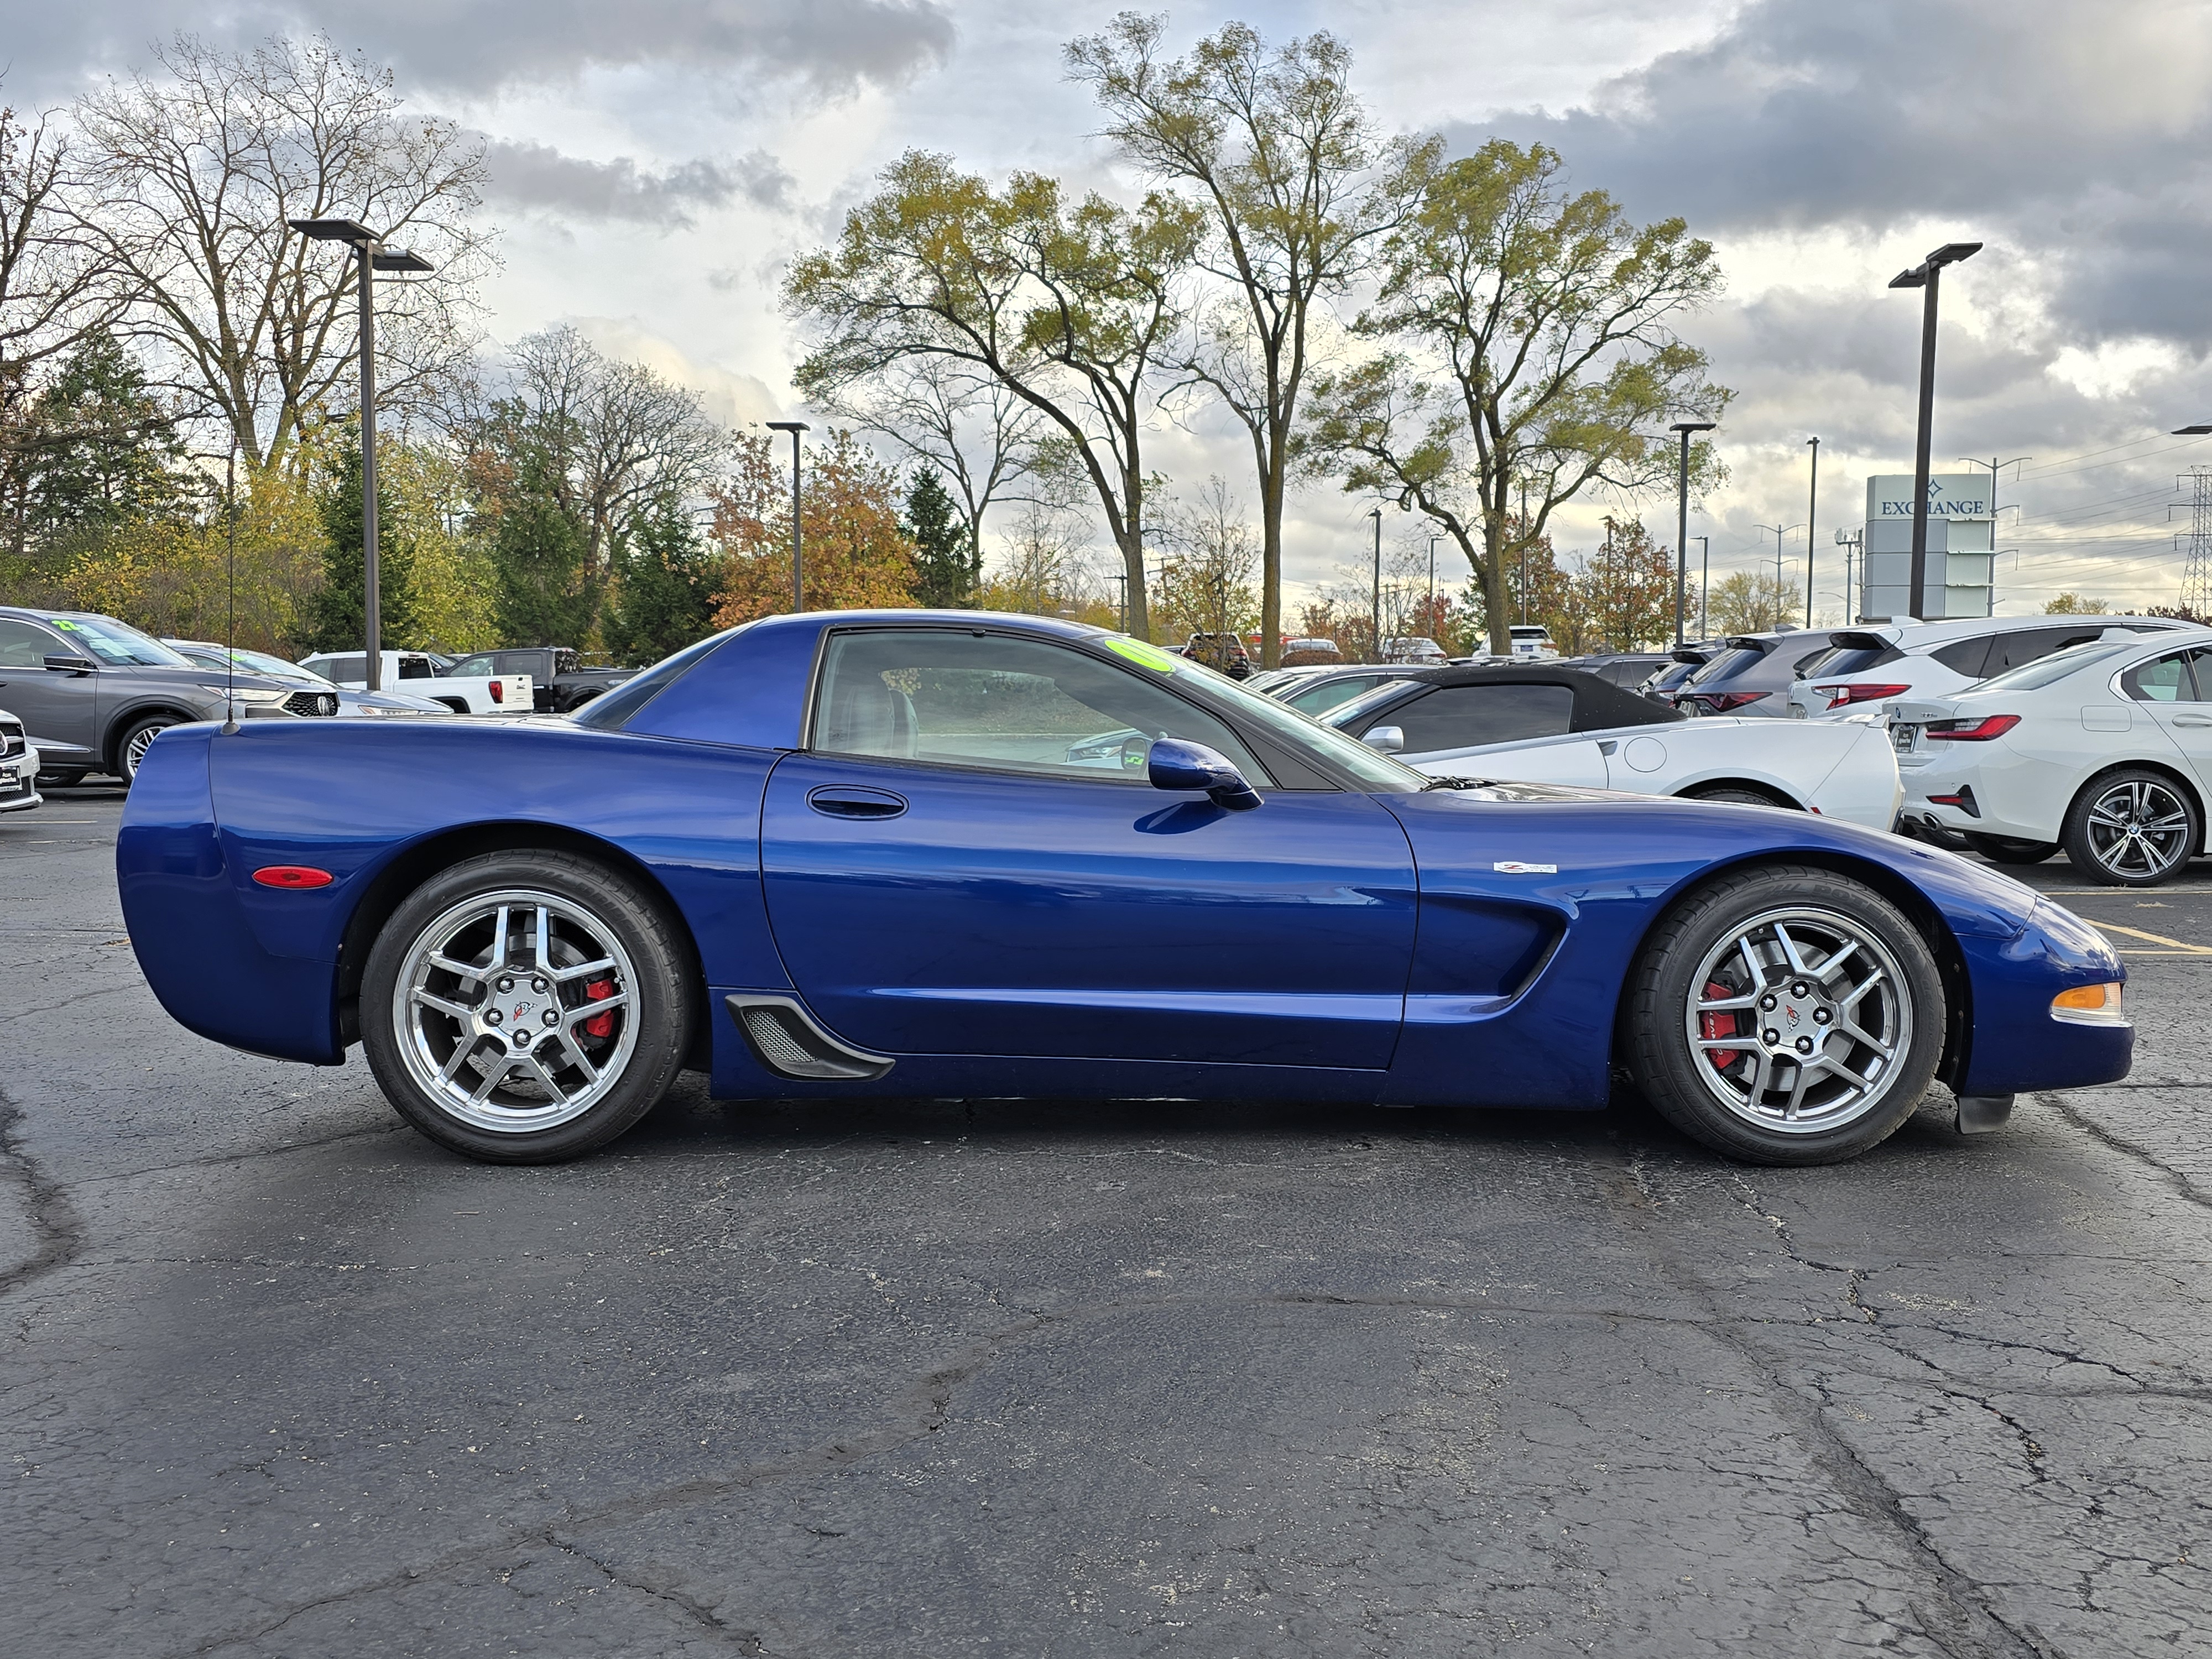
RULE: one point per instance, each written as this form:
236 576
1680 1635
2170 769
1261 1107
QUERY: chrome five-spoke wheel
1785 1014
528 1005
513 1011
1796 1018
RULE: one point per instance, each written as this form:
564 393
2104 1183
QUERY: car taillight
498 692
1719 702
1975 731
1840 696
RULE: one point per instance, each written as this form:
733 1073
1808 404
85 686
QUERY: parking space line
2179 948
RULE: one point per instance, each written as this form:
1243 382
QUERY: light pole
1780 530
1433 540
1812 516
1376 513
797 576
373 257
1682 519
1704 586
1927 275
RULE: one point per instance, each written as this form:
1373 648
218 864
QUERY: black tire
60 779
1733 796
2094 834
1722 1095
130 746
2010 849
589 907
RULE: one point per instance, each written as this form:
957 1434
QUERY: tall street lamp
1682 521
797 578
2191 431
1433 540
1812 516
375 257
1376 513
1705 588
1927 275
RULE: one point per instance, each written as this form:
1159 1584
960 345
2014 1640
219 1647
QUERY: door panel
974 911
60 711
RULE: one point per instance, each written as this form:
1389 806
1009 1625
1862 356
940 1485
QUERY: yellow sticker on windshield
1145 656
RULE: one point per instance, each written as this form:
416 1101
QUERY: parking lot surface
1070 1378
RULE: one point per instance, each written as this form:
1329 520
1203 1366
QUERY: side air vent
784 1038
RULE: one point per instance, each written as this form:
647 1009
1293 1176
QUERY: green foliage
337 614
664 593
538 552
944 560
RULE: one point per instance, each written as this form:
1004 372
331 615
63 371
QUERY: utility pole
1682 518
1704 586
1376 513
1849 541
1994 464
1812 516
2196 575
1433 540
1780 589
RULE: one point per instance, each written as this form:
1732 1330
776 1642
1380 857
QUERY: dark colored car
1317 694
1226 652
1625 669
559 681
93 692
1752 674
1441 709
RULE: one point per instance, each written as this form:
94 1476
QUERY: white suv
1871 667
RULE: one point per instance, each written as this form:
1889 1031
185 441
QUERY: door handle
2178 720
850 801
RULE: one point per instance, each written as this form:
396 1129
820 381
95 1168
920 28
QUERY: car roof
1600 704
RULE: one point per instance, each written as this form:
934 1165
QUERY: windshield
1280 721
2045 670
117 644
1728 663
260 662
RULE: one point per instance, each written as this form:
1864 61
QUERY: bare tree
47 273
614 437
1292 176
184 184
1206 576
968 426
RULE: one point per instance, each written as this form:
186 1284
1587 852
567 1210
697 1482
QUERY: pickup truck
559 682
422 674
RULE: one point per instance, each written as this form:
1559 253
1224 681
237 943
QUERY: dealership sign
1950 495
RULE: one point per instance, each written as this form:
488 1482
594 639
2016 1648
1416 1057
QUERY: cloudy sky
655 163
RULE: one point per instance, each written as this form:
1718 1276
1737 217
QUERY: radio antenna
230 573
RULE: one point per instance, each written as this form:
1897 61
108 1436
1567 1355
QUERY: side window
1318 700
2162 679
2031 644
1966 656
1460 716
23 646
415 668
469 667
342 668
1003 703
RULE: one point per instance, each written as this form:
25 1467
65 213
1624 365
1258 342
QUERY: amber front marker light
2089 1004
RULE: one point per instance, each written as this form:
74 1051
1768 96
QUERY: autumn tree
1208 572
1749 602
1296 186
1530 352
1070 306
857 552
186 182
2073 604
1626 589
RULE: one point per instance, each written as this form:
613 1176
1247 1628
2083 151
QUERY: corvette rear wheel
1786 1016
2132 828
525 1008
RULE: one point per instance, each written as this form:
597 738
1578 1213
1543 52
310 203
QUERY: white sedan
2104 750
1537 724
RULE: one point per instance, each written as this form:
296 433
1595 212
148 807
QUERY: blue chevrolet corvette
962 854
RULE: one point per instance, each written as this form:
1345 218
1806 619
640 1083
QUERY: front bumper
2014 1046
18 787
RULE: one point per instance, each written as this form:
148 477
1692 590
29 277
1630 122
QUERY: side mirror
1176 764
1385 739
62 665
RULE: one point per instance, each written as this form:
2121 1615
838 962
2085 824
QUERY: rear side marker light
2089 1004
1978 731
293 876
1840 696
1721 702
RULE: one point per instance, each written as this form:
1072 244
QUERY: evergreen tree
538 550
664 598
338 615
944 568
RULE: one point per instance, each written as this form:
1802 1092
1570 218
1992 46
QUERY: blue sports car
954 852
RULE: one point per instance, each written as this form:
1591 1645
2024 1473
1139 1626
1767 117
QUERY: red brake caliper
601 1025
1721 1024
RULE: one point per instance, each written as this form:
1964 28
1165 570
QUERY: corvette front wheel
1786 1016
526 1007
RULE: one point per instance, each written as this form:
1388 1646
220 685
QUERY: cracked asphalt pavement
1072 1379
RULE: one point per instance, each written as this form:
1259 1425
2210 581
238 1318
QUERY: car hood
153 677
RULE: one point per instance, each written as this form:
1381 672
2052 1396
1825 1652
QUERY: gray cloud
539 177
481 46
2080 134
